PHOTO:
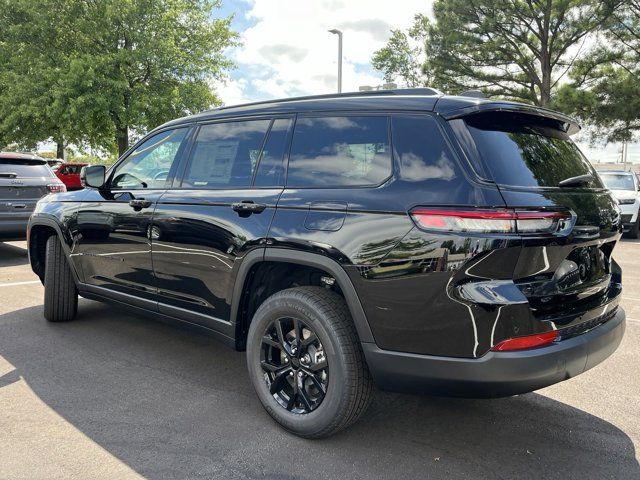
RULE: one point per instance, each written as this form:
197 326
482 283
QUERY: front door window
148 166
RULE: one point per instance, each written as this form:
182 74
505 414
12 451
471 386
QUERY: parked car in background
54 163
69 173
626 189
24 179
419 241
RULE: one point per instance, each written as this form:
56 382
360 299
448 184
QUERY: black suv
445 244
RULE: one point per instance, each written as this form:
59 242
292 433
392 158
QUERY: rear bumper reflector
524 343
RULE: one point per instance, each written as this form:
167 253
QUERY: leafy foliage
517 49
94 71
403 55
605 87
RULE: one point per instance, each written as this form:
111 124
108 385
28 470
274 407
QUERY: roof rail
396 91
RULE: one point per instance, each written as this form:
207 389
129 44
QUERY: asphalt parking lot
114 395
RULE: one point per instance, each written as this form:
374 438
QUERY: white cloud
232 91
288 50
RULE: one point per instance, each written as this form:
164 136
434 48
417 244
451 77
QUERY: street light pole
335 31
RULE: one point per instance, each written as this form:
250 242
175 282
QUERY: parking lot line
14 284
624 297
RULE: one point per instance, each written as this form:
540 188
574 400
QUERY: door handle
139 203
247 207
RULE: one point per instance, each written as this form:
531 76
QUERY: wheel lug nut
286 359
300 374
291 374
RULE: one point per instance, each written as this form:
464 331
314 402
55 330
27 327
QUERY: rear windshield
70 169
616 181
23 169
524 150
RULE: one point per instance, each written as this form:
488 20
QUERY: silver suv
625 187
24 179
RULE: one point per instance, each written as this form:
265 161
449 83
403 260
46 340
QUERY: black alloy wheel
306 363
294 364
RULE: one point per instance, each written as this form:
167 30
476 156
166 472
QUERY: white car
625 187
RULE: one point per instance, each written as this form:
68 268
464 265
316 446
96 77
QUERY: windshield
524 150
23 169
617 181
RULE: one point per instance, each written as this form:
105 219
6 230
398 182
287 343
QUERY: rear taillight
523 343
57 187
491 221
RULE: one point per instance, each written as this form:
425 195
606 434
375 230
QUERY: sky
287 50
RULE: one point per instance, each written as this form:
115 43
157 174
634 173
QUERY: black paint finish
440 294
112 247
198 242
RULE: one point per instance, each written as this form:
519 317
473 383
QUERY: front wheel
306 363
60 293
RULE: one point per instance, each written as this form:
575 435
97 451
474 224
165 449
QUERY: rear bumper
496 374
13 228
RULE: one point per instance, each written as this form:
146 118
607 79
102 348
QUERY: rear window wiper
576 181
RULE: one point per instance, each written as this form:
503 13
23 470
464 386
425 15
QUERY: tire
60 292
321 314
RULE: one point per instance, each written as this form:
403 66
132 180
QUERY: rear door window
271 167
225 155
339 151
523 150
17 168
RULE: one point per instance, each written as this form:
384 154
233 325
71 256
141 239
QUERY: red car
69 173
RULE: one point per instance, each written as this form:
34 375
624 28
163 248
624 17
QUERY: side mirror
93 176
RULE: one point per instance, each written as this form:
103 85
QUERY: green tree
109 69
403 56
605 86
31 60
517 49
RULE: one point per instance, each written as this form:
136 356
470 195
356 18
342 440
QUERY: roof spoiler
566 123
33 161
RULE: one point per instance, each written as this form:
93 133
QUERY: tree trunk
60 153
122 139
545 91
545 58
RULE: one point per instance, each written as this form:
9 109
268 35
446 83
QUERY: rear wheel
60 293
306 363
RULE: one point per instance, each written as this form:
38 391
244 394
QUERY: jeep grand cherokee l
445 244
24 179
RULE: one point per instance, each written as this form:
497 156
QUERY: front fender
42 224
